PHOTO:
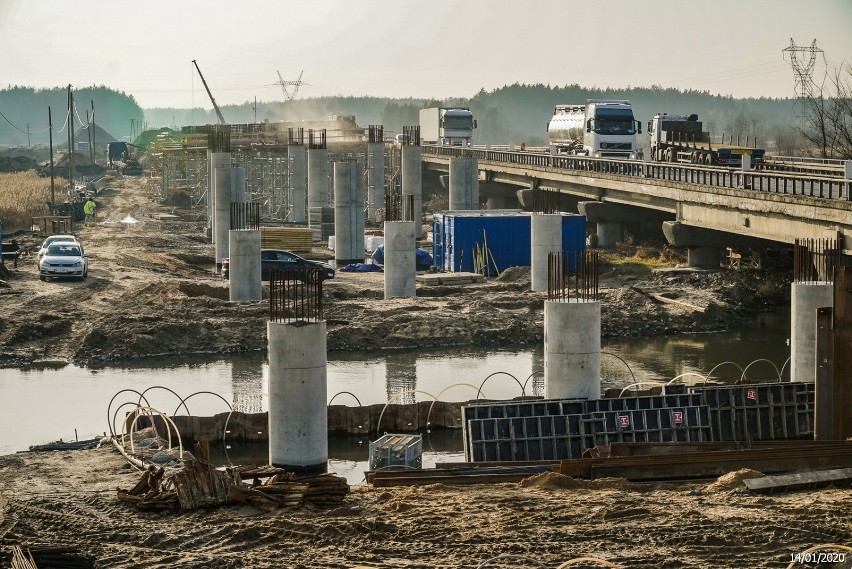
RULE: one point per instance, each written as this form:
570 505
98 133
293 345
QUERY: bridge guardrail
824 187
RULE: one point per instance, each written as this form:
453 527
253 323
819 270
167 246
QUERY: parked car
54 239
278 259
63 259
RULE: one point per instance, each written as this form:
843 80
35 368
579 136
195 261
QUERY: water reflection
77 398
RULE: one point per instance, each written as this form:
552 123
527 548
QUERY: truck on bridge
447 126
601 129
681 138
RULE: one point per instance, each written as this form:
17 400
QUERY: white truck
601 129
447 126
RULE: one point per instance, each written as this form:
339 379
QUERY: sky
406 48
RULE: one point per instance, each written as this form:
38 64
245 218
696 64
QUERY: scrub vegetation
23 195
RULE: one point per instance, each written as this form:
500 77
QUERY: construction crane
209 94
295 84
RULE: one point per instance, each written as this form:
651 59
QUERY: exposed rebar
296 136
815 259
582 266
376 133
245 215
295 294
411 135
399 207
318 141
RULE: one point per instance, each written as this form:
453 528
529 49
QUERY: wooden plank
453 480
798 480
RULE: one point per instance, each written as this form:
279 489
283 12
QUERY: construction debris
200 485
799 480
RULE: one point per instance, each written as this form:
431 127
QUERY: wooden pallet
288 238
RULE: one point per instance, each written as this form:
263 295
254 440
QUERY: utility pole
70 125
94 136
803 59
89 133
50 130
29 144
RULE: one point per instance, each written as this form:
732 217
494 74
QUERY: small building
462 239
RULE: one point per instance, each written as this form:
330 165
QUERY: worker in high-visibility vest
89 210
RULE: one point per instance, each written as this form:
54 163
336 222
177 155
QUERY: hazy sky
406 48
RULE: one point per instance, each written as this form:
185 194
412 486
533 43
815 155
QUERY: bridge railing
816 186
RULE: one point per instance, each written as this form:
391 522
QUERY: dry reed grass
24 195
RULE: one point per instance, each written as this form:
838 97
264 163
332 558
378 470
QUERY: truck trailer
681 138
447 126
601 129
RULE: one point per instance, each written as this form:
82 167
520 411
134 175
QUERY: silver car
63 259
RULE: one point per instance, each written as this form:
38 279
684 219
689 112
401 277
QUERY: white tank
567 125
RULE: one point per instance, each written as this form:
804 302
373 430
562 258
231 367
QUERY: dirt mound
514 275
198 289
556 481
732 481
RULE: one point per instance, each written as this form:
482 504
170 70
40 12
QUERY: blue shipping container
457 234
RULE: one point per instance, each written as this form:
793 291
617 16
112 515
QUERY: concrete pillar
298 419
805 298
609 233
703 257
572 349
222 213
546 238
412 184
238 184
214 160
348 213
400 262
376 179
317 177
464 183
244 265
298 183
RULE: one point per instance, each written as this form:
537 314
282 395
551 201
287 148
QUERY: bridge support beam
412 184
703 245
464 184
612 219
805 299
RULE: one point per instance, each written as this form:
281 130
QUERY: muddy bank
152 290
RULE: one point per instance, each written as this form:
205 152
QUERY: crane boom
209 94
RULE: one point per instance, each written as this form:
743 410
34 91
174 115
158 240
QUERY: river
46 403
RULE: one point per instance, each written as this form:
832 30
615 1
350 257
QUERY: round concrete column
376 179
214 160
348 213
317 178
546 238
703 257
609 233
464 183
572 349
298 419
297 173
805 298
238 184
244 265
400 262
222 213
412 184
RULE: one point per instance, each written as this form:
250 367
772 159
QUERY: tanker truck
681 138
447 127
601 129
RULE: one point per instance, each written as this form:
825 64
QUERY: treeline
513 113
26 109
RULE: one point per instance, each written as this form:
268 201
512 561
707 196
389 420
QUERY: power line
803 59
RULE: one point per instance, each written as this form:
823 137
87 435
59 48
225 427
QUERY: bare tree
827 114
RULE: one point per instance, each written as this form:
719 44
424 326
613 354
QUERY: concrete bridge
702 208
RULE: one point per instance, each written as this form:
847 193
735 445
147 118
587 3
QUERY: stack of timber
289 238
277 492
283 491
462 473
49 557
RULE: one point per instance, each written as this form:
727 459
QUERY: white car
63 259
54 239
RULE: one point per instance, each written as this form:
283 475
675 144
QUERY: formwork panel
763 411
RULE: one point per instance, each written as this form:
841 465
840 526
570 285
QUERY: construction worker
89 210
